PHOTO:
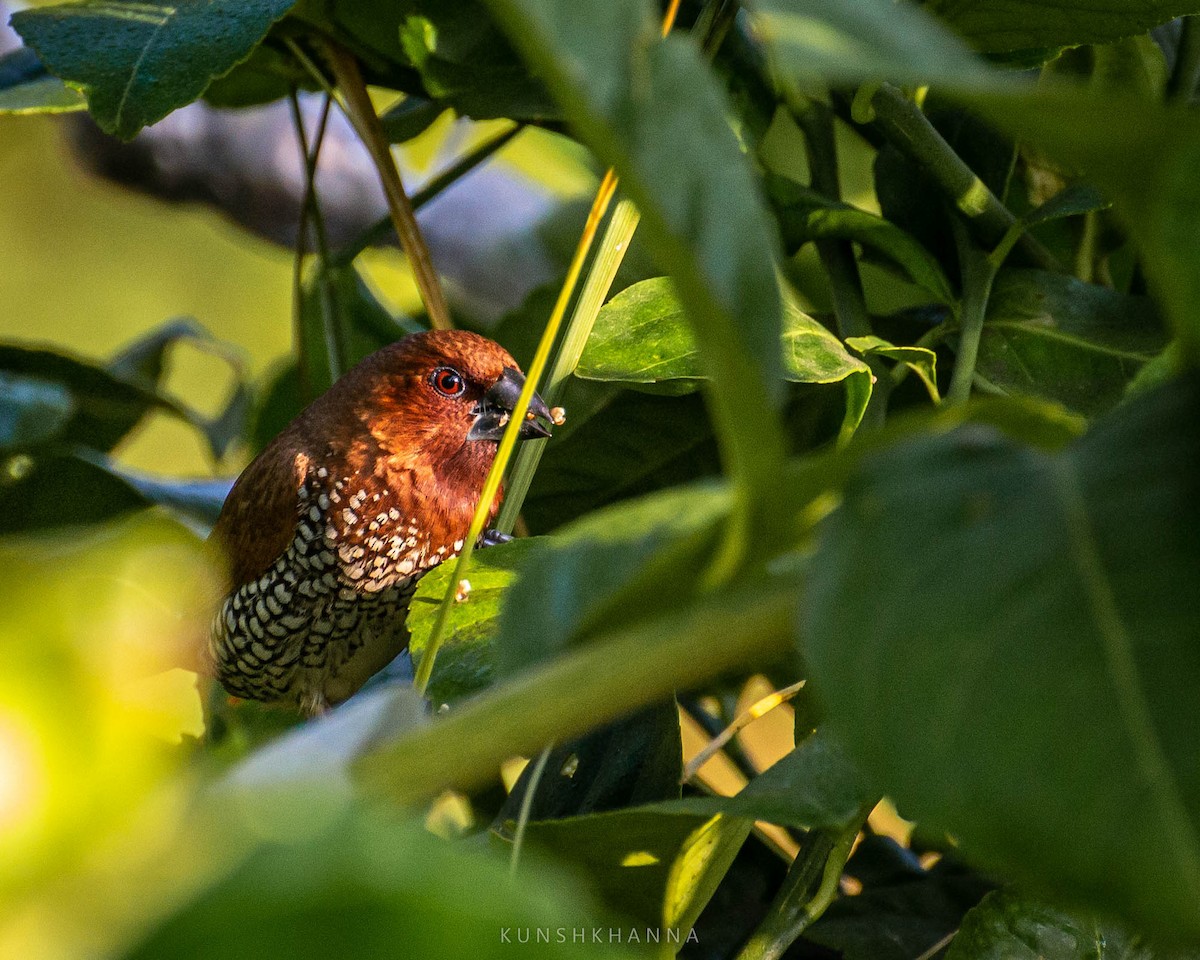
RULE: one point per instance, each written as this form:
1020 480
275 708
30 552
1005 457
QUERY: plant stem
603 271
310 211
491 485
362 115
809 888
908 129
379 230
583 688
535 777
978 273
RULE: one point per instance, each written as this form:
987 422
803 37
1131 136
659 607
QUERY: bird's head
447 394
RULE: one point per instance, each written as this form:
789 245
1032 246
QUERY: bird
327 531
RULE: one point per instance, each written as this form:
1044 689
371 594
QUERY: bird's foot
493 538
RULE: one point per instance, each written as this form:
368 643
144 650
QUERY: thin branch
364 119
759 709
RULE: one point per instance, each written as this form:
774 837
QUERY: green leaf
138 61
465 662
653 111
642 336
814 786
902 911
813 41
1073 201
805 216
309 875
920 360
1056 338
1011 25
1009 926
26 87
635 444
1144 156
658 867
32 410
465 62
637 558
1024 616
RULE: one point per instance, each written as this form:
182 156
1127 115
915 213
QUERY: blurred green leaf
1012 25
813 41
32 410
1054 337
1073 201
409 118
55 490
465 662
369 885
920 360
139 61
1008 926
652 110
1048 636
26 87
805 216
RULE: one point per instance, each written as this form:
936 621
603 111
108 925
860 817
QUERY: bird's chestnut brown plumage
329 528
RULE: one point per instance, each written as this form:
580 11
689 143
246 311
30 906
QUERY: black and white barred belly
330 611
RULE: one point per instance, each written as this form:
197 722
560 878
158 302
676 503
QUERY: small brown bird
329 528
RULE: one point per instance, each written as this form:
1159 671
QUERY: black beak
493 414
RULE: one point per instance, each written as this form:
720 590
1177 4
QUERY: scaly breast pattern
330 611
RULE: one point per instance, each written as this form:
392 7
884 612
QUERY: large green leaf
332 881
1000 636
1008 926
1054 337
26 87
642 336
138 61
653 111
466 659
1006 25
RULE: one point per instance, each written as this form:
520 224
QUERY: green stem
332 338
808 890
582 689
535 777
378 231
978 273
837 256
908 129
612 249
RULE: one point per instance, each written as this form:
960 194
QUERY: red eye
448 382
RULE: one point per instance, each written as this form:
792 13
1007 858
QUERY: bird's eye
448 382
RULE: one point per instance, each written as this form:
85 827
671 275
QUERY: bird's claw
493 538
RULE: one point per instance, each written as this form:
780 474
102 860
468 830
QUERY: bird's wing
258 521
